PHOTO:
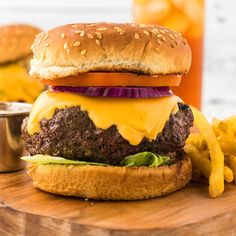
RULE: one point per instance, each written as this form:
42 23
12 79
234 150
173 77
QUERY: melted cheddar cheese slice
134 118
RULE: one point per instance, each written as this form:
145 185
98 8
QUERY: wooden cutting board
25 210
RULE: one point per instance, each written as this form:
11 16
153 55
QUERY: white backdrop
220 42
47 14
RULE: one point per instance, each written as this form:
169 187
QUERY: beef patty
72 135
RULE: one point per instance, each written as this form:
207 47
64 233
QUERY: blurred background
219 76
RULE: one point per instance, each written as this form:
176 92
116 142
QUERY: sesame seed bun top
15 41
77 48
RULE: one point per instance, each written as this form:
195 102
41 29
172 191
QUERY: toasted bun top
15 41
77 48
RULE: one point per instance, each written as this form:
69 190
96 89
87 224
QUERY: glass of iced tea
186 17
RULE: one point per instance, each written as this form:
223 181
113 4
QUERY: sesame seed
164 39
74 26
32 46
172 45
83 52
77 31
82 33
86 199
67 51
146 32
76 44
66 46
117 28
63 35
142 25
99 35
101 28
46 44
38 42
90 36
176 35
98 42
45 36
90 25
159 36
159 42
184 42
176 42
162 31
171 36
155 31
136 36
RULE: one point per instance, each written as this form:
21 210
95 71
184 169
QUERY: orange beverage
186 17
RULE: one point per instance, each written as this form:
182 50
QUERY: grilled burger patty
72 135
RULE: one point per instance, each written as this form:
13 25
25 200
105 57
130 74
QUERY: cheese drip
134 118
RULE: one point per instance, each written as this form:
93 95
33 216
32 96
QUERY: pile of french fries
212 150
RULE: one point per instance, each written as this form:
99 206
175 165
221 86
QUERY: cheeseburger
109 126
15 54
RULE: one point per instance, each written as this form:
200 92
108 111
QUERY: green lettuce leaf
145 159
140 159
46 159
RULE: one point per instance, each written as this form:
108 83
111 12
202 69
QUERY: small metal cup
11 145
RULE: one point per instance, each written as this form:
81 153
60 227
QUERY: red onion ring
125 92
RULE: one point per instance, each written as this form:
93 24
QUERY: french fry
216 179
209 153
205 154
225 130
214 125
198 141
228 148
204 165
232 163
228 174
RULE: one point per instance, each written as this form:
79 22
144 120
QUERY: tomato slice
115 79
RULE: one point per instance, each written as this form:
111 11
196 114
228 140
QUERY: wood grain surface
25 210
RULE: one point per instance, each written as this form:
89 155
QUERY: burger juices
109 127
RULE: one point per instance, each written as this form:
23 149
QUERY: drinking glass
187 18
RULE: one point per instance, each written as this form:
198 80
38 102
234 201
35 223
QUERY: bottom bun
111 182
